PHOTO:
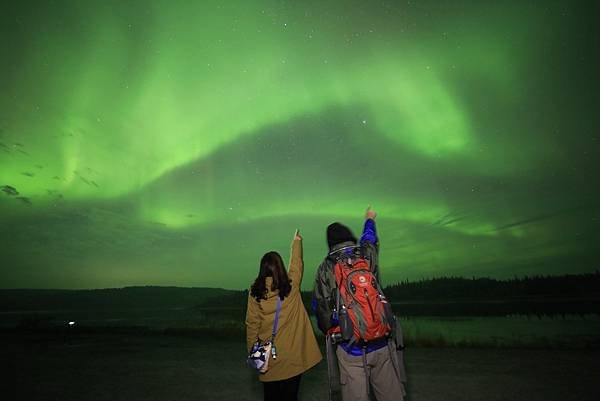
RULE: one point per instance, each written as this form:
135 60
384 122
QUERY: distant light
71 323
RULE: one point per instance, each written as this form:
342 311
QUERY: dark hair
338 233
271 265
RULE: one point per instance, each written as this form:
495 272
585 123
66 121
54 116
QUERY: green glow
146 139
189 94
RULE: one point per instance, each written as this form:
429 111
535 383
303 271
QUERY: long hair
271 265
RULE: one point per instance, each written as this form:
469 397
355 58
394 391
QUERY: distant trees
570 294
443 288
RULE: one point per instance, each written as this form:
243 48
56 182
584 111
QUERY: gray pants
384 382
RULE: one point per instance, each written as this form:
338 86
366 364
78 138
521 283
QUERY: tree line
443 288
571 294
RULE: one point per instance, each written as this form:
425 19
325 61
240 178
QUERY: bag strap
276 318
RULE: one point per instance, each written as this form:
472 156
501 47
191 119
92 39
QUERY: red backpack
363 311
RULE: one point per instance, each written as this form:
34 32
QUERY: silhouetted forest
573 294
106 298
444 288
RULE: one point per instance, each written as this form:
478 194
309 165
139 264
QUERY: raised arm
296 269
369 233
370 242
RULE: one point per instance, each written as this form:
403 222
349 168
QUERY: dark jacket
324 300
324 295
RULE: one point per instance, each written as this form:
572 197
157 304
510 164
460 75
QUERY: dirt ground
151 367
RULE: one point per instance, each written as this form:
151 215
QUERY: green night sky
175 142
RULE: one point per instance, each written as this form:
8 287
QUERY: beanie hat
338 233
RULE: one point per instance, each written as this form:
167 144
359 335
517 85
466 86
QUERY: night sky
175 142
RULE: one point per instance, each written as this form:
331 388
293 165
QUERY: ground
154 366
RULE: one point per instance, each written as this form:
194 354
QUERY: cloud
7 189
25 200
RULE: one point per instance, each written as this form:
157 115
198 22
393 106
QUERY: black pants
282 390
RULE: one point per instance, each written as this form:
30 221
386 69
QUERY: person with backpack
275 312
363 338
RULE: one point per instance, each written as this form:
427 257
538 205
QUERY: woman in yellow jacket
297 349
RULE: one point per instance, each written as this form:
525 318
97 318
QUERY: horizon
401 282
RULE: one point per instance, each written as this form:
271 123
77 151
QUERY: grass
517 331
504 332
570 331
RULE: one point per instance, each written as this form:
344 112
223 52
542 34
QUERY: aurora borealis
175 142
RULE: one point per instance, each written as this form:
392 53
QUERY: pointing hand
370 213
297 235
